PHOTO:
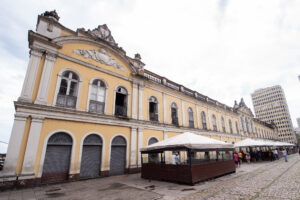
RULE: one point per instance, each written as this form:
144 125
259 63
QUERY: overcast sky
224 49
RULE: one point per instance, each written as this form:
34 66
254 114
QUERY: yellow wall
86 75
170 100
80 129
147 94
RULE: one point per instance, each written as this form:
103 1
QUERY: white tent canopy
260 143
190 141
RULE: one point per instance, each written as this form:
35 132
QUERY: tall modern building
298 122
270 106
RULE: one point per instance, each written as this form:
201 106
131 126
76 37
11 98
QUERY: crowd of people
260 155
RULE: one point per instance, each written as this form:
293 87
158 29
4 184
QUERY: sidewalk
264 180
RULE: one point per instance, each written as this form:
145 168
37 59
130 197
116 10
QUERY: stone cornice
52 112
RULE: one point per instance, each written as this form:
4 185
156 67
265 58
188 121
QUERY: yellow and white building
86 108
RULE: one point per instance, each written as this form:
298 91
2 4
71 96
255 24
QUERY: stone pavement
264 180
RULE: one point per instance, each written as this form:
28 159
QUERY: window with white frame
214 122
203 118
153 109
174 114
191 117
97 96
68 90
121 102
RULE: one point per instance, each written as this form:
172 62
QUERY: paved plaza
264 180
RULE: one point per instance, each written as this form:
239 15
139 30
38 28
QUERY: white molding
134 100
141 91
32 146
133 140
14 146
165 107
30 77
45 144
198 116
127 150
183 113
45 80
102 150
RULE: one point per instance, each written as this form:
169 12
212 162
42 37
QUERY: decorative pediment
100 56
242 107
103 32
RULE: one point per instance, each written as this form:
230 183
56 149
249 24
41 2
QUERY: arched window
121 102
230 126
242 124
153 109
191 118
256 133
152 141
203 118
67 94
174 114
237 128
223 125
97 96
247 125
214 122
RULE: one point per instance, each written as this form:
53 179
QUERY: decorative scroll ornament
100 56
104 33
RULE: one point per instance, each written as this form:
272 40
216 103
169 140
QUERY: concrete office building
270 106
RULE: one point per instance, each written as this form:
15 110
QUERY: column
208 120
140 145
198 116
32 145
141 91
183 113
45 79
134 100
166 153
165 107
133 148
14 145
30 77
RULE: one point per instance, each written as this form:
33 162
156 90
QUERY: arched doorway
57 158
91 156
118 156
153 157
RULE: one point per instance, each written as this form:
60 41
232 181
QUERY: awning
260 143
188 140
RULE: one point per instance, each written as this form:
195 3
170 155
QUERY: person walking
240 155
236 160
248 157
284 153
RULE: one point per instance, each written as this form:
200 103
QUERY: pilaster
32 145
45 79
133 140
14 145
134 100
141 92
198 116
165 107
30 77
183 113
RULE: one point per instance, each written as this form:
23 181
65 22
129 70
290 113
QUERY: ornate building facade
86 108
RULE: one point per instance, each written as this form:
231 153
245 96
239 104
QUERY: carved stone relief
100 56
104 33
